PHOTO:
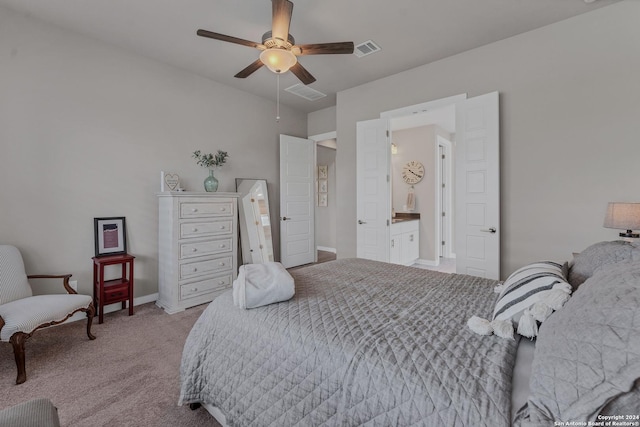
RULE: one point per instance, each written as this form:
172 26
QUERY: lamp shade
623 216
278 60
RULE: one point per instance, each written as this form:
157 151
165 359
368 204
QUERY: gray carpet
128 376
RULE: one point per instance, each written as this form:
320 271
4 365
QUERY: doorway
476 186
426 137
325 201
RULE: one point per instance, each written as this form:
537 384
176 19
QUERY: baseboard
326 249
116 306
427 262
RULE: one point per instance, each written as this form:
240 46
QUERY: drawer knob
194 289
194 230
222 264
194 250
223 209
221 282
222 245
195 269
194 210
222 227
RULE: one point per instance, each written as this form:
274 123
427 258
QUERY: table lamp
623 216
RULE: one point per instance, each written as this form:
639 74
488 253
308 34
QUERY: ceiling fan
279 51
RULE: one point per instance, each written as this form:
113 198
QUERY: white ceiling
410 33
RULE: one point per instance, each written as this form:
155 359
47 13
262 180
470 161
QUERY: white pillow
528 296
529 285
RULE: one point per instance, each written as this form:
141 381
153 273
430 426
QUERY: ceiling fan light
278 60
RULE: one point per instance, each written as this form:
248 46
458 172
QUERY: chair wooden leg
17 340
91 311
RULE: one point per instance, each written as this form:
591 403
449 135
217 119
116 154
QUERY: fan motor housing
270 42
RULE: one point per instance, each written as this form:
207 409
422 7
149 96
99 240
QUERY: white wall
322 121
569 128
326 216
86 128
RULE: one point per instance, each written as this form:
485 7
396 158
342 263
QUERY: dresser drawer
195 289
198 268
202 229
206 209
207 247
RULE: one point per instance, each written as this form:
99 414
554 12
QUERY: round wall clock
412 172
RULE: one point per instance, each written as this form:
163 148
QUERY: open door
478 186
297 174
373 189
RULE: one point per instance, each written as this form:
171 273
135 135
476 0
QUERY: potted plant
210 161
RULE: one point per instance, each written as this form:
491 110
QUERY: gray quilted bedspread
361 343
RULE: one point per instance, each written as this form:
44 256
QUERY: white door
373 190
297 174
478 187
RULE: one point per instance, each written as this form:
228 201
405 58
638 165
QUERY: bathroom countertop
405 216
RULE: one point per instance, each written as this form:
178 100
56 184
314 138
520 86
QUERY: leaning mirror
255 223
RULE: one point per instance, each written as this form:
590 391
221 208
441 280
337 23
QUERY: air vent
305 92
366 48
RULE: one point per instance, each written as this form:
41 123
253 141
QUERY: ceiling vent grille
305 92
366 48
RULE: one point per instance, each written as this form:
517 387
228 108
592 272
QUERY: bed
366 343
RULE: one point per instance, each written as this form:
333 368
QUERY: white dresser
197 248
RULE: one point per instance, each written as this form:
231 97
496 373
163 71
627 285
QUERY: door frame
423 107
417 110
444 251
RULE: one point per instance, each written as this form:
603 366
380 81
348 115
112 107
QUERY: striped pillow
542 282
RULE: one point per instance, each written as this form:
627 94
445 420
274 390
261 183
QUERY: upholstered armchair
22 313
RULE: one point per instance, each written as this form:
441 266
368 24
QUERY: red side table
112 291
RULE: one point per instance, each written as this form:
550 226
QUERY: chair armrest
64 277
1 323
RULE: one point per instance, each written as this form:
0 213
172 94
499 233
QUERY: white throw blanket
262 284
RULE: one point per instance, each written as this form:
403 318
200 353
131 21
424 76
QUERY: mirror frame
256 238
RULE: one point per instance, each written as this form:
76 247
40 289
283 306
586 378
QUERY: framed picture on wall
322 186
322 199
110 236
323 171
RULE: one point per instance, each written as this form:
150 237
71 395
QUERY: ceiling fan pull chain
278 98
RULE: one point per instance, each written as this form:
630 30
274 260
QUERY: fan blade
282 10
252 68
302 73
230 39
323 48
